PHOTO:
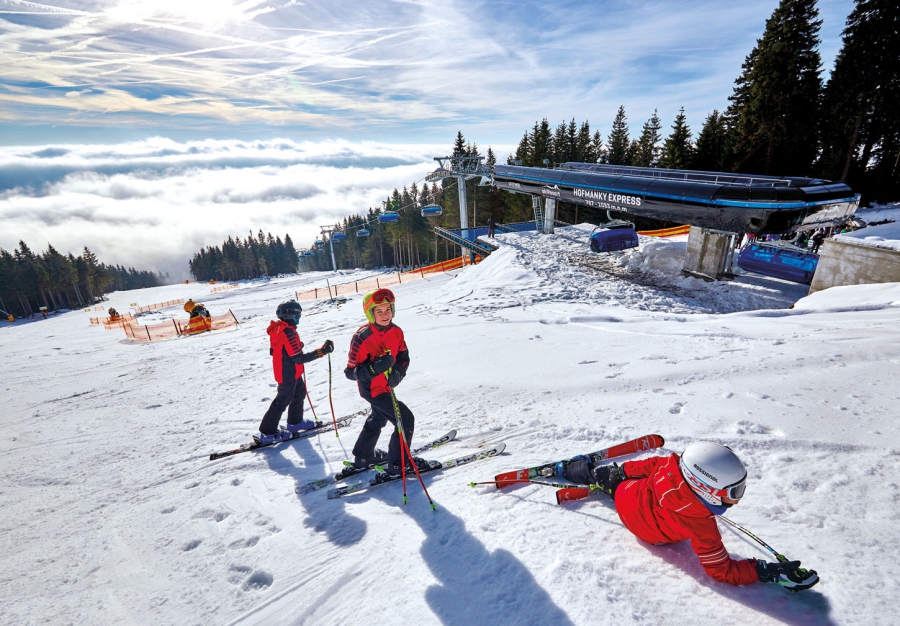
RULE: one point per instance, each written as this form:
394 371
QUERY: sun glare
208 12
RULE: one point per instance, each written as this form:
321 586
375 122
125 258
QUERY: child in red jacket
287 361
378 361
667 499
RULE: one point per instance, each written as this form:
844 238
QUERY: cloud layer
152 204
404 70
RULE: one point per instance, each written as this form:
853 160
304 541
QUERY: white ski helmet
713 471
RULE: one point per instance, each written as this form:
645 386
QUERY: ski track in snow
113 514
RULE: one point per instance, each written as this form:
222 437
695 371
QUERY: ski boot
301 426
265 439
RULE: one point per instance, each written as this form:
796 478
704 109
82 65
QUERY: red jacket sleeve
707 544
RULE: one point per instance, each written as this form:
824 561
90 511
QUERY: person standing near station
378 362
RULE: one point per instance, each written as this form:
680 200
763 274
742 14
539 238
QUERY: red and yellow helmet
371 300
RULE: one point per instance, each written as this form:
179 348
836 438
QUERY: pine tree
677 151
542 141
459 146
712 144
775 100
860 130
584 148
647 152
618 141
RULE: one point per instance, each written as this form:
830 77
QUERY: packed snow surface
113 514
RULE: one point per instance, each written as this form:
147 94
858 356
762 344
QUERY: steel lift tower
462 168
329 231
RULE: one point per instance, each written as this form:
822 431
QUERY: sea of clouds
152 204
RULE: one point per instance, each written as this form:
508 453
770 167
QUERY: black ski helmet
289 311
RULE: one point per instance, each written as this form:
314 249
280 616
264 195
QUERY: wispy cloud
399 70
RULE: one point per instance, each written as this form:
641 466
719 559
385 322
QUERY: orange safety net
365 286
667 232
158 306
223 288
174 328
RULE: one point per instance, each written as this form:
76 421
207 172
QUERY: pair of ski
318 429
383 478
322 483
567 492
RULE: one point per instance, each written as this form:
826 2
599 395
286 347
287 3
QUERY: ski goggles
381 296
732 492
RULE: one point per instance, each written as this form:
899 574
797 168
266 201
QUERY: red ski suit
284 343
659 507
371 342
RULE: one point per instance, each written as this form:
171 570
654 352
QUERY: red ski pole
405 452
311 407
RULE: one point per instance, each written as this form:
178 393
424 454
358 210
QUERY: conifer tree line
250 258
781 120
29 281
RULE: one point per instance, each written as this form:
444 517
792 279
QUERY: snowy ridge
113 514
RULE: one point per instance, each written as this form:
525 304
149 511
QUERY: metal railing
478 247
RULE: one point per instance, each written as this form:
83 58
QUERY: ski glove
382 364
394 378
608 477
788 574
327 348
367 371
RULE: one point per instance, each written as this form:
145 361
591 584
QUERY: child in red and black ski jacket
288 360
661 501
378 361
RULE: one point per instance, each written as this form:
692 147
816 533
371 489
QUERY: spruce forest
29 281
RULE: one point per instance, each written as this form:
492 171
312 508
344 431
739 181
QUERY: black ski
383 478
331 480
321 427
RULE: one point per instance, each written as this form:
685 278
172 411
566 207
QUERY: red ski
641 444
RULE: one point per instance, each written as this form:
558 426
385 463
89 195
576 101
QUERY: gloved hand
327 348
608 477
364 373
382 364
788 574
394 378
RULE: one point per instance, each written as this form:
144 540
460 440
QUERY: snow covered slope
113 514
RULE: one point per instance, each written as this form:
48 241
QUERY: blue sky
107 71
148 129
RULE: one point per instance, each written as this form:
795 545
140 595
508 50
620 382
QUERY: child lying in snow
667 499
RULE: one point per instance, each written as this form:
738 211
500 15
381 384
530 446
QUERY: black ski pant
582 472
382 413
291 395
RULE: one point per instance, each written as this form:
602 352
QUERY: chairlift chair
390 216
613 236
432 210
338 237
362 233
